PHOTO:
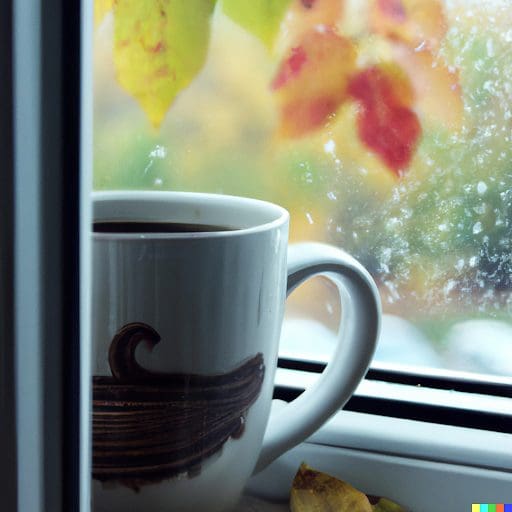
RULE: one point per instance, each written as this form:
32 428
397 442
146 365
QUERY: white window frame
44 435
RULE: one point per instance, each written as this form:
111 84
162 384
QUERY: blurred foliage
438 241
159 47
259 17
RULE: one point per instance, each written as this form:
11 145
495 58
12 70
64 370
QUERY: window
426 208
424 203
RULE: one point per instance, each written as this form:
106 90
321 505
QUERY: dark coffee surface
155 227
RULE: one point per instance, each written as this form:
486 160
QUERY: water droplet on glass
477 228
386 254
421 46
158 152
150 164
490 48
481 188
330 147
449 286
393 291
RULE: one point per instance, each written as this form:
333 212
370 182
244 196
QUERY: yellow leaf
313 491
101 7
159 47
261 18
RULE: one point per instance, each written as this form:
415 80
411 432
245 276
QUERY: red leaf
386 83
386 123
290 68
392 136
306 115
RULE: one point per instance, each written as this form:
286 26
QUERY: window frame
456 399
8 480
46 124
412 402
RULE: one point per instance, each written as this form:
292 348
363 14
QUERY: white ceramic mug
186 331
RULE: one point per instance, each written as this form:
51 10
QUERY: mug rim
122 197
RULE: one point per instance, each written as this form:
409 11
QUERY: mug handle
357 338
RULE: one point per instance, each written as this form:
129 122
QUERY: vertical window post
50 246
8 487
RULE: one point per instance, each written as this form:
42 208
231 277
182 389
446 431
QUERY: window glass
383 126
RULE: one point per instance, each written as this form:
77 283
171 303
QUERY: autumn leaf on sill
311 82
418 23
159 47
386 122
314 491
261 18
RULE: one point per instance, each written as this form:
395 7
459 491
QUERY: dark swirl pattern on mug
150 426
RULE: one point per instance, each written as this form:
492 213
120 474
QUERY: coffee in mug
114 226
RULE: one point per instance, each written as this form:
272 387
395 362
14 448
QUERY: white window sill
426 467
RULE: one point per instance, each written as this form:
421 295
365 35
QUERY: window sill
426 467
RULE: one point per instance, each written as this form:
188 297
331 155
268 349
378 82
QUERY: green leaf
261 18
159 47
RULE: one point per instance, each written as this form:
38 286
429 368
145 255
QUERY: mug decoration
151 426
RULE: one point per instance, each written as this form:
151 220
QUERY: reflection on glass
383 126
